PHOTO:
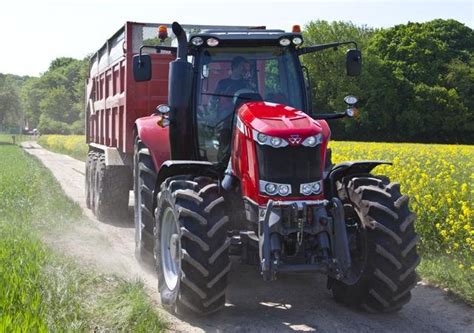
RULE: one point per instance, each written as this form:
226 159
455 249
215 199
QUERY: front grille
289 165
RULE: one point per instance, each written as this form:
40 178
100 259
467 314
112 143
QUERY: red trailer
117 107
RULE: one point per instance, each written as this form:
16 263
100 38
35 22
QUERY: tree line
417 81
53 102
417 85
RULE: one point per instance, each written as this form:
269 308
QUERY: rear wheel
144 176
111 190
191 245
383 246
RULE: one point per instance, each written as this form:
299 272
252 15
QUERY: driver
223 104
238 78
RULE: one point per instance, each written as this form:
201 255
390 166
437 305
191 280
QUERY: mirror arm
315 48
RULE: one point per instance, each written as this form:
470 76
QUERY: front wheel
191 245
383 246
144 179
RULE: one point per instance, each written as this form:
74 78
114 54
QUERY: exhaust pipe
181 130
182 41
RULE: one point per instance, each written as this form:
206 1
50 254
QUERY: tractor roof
245 36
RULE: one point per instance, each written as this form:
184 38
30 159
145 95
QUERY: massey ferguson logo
294 139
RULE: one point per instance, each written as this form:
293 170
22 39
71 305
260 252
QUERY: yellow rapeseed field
74 145
438 178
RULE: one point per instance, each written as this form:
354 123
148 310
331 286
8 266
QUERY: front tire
191 246
144 179
387 267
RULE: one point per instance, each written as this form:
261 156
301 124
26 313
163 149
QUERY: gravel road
296 302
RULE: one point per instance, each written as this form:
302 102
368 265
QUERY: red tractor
235 163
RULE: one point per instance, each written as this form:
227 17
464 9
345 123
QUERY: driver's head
239 66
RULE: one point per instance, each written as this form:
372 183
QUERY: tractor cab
237 68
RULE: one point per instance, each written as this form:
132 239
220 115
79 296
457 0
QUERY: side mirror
142 67
353 62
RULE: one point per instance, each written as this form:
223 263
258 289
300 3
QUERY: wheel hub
174 247
170 249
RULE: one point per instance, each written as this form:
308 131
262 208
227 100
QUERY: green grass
444 272
43 291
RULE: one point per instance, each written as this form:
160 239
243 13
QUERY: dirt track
293 303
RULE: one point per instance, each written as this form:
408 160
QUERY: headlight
212 42
284 189
297 40
274 188
197 41
262 138
273 141
310 188
284 42
312 141
306 189
270 188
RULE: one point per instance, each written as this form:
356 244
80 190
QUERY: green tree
10 107
327 69
55 100
432 62
416 83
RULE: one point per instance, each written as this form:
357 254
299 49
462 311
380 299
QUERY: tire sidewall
139 246
168 296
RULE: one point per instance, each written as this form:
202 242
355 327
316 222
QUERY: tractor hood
278 120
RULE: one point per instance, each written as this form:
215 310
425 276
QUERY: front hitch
270 242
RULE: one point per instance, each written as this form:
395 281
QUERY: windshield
263 73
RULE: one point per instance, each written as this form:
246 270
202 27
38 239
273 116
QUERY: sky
33 33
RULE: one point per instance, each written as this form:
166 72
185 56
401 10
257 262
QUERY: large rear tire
386 256
191 246
111 191
144 175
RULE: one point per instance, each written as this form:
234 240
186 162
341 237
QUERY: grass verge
42 291
443 272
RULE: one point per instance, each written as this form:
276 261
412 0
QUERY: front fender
155 138
342 170
172 168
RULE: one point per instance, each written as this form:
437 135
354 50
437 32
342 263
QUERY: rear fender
342 170
181 167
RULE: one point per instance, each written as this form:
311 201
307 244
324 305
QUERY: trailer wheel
384 252
191 245
144 179
111 190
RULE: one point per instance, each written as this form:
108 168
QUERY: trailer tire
197 282
387 273
144 179
111 191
